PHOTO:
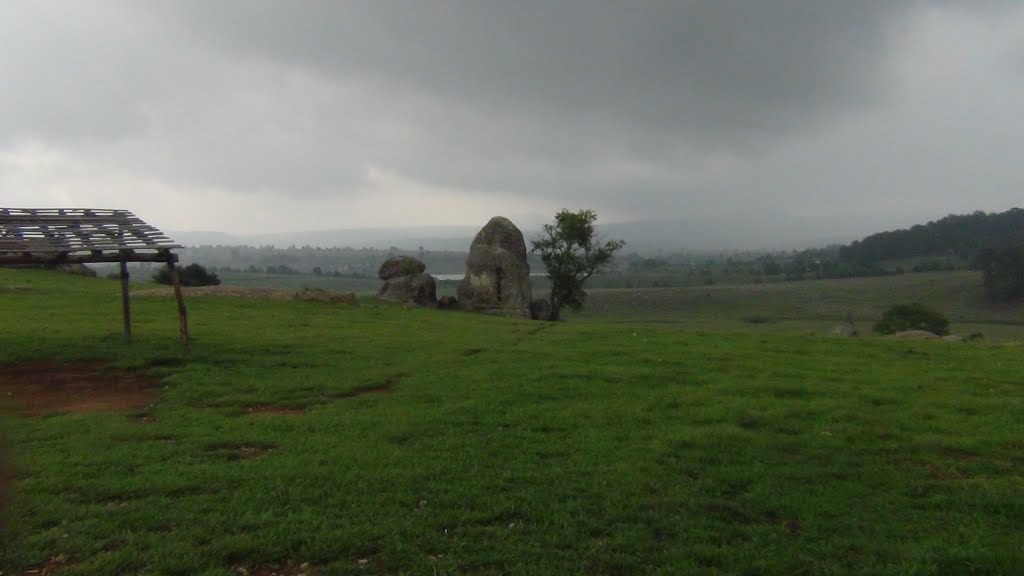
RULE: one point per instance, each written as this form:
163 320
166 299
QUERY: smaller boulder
540 309
414 289
844 330
400 266
447 303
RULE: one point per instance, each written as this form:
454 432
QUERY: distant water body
461 276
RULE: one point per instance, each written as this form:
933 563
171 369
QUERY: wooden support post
182 313
125 301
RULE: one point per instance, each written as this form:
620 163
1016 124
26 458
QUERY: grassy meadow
307 438
810 306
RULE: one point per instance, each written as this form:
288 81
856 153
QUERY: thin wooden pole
182 313
125 300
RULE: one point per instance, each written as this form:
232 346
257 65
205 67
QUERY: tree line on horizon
987 242
992 243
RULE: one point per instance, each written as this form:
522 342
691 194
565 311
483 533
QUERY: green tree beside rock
572 254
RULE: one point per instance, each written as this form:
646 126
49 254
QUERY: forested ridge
959 236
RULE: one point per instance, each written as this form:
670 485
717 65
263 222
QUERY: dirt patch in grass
288 569
239 450
961 455
266 409
234 291
44 387
385 388
540 329
51 566
730 513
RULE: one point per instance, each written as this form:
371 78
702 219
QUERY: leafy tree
914 316
191 275
571 254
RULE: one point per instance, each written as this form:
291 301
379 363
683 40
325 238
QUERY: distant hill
959 236
430 237
644 236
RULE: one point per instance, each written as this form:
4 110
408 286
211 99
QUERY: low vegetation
191 275
809 307
913 316
301 437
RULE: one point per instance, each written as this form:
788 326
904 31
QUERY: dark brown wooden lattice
40 233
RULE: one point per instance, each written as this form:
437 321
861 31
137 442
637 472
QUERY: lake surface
442 277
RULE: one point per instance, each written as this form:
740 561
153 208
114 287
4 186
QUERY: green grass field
294 282
300 437
811 306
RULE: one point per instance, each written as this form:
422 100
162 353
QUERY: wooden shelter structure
54 236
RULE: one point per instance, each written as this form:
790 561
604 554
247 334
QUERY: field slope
811 306
300 437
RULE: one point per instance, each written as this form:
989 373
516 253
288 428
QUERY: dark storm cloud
541 97
722 71
636 107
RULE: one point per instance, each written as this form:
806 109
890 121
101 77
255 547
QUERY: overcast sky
824 118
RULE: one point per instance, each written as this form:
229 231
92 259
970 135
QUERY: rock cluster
406 283
497 277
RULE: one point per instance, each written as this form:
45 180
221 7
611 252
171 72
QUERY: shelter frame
55 236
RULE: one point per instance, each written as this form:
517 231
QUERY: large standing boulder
411 289
497 277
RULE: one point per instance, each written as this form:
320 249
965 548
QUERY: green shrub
913 316
191 275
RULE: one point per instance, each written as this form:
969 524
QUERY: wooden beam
125 300
182 313
53 258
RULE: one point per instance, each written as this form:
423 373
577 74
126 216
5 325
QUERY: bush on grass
191 275
913 316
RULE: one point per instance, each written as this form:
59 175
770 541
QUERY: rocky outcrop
400 266
497 277
844 330
418 289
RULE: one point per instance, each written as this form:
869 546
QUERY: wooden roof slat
66 230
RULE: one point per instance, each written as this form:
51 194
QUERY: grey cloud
639 107
720 71
484 94
74 71
532 97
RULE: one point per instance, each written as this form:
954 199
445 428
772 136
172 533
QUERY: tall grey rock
497 277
